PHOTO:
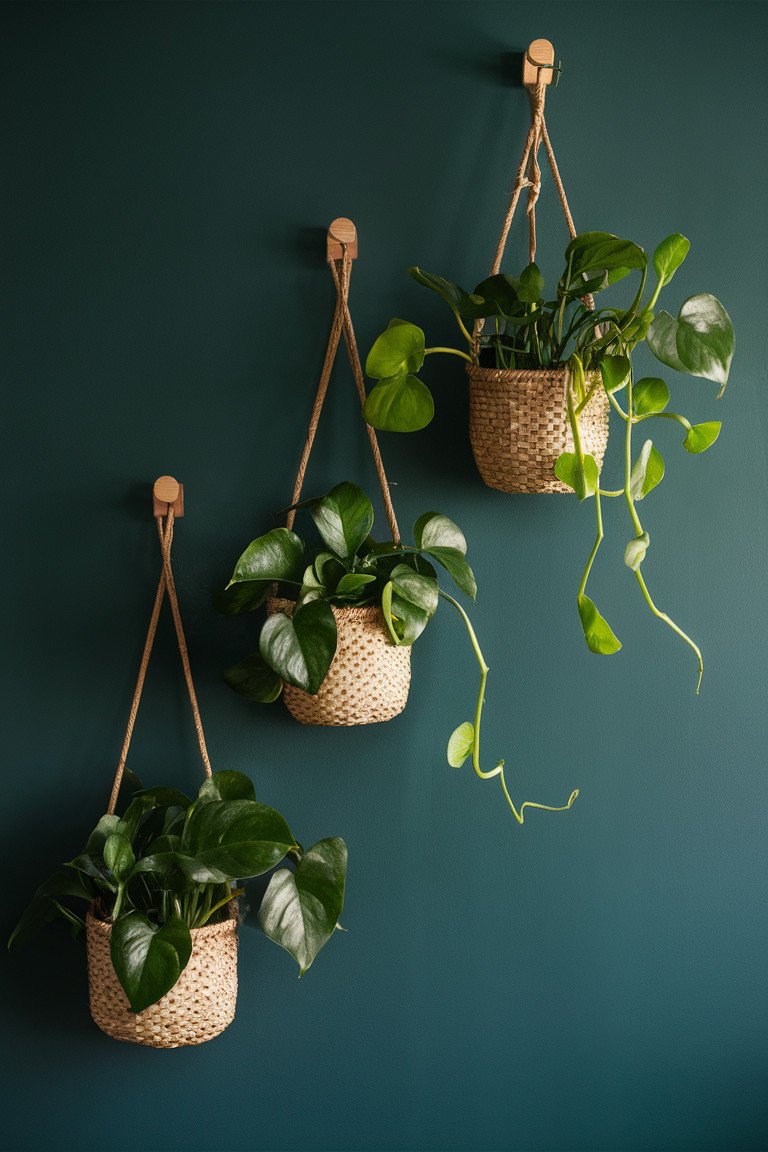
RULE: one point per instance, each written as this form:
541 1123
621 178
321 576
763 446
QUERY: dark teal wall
594 980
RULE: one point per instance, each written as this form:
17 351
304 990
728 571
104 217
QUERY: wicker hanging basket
202 1002
518 426
368 680
198 1007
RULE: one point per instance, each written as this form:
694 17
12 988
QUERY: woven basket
198 1007
518 426
368 680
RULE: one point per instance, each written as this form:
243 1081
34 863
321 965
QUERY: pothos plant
597 343
170 864
348 568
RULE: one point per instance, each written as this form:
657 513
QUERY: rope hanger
168 503
341 251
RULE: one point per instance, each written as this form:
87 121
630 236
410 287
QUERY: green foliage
519 327
169 865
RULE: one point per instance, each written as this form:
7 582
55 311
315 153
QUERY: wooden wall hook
341 231
539 52
167 491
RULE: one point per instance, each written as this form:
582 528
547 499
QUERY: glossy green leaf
166 797
148 960
236 838
701 436
237 599
635 551
615 372
405 620
700 342
584 481
591 251
398 351
649 395
662 341
300 648
344 519
647 471
531 285
669 256
254 679
499 294
461 744
399 404
300 909
452 559
119 857
597 631
227 785
278 555
352 584
432 530
455 296
418 589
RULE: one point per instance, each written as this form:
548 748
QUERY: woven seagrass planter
368 680
199 1006
518 426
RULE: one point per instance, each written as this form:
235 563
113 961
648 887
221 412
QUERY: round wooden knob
166 489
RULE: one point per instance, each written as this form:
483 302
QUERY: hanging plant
591 348
307 651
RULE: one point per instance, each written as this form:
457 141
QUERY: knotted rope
342 322
166 584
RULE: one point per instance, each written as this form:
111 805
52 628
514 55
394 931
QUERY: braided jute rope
518 417
369 676
202 1002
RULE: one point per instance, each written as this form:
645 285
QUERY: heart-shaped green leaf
649 395
615 372
669 256
647 471
452 559
236 838
119 857
432 530
635 551
227 785
499 294
300 648
531 285
598 633
591 251
254 679
701 436
415 588
301 909
148 960
700 342
407 613
398 351
278 555
461 744
352 584
584 481
344 519
399 404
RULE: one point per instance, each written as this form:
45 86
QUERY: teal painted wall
595 980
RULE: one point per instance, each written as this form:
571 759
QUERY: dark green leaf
278 555
399 404
531 285
435 531
702 436
452 559
300 648
405 621
119 857
615 372
352 584
238 598
597 631
705 339
398 351
669 256
456 298
461 744
237 838
98 838
227 785
647 471
254 679
301 909
591 251
499 295
344 519
415 588
584 481
66 882
649 395
148 960
167 797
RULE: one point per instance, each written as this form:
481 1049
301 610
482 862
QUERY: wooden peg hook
539 55
167 491
341 231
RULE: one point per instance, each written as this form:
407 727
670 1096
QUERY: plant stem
499 769
460 323
230 896
451 351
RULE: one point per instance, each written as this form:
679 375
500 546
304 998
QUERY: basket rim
366 612
474 370
220 927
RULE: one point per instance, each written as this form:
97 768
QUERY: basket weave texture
199 1006
369 677
518 426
